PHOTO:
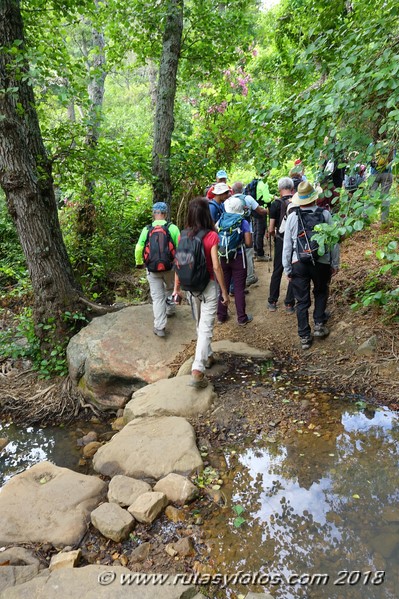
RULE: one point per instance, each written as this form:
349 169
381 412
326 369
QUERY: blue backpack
231 235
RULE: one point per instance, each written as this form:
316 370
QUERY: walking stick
270 252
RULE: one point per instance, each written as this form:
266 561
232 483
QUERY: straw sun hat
306 194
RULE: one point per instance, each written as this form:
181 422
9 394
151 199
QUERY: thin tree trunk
166 92
26 178
95 67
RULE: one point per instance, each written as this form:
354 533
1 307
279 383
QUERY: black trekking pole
270 252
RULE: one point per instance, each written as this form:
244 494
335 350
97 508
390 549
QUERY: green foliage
207 477
12 263
239 520
47 354
379 287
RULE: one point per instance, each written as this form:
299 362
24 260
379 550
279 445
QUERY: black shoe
306 342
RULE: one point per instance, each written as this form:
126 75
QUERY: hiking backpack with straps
245 207
218 208
159 250
231 236
190 262
306 246
284 203
250 189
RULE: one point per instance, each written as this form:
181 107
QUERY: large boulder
150 448
48 504
100 582
17 565
117 353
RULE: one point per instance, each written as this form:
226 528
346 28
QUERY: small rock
170 550
90 449
118 424
369 347
174 514
178 489
184 547
147 506
112 521
65 559
90 437
141 553
3 442
124 490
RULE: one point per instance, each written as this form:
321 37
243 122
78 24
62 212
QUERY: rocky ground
256 397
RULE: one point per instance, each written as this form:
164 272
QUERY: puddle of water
321 511
34 444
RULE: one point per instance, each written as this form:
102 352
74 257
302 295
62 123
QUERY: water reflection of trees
318 505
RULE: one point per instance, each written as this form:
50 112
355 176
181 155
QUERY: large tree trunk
166 92
26 178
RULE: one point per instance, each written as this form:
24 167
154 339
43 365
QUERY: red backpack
159 250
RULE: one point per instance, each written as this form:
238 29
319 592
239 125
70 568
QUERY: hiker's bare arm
248 239
176 289
217 269
272 226
262 211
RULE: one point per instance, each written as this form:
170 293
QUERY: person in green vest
262 195
155 249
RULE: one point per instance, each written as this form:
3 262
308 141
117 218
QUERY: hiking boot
210 361
261 258
198 380
290 310
251 280
223 320
306 342
272 306
249 319
159 332
320 330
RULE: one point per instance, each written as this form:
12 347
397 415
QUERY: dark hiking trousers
234 271
259 226
302 275
275 280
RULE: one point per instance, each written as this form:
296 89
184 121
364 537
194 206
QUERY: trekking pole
270 251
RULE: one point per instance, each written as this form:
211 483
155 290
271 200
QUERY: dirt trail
332 361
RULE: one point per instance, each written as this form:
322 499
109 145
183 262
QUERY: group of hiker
212 260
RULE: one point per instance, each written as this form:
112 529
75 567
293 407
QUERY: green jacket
140 245
263 195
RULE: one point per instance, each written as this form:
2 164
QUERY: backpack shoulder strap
201 234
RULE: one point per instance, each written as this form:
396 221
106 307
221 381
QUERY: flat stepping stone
99 582
239 348
150 448
170 397
48 504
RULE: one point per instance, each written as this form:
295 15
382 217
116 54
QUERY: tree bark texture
166 92
26 178
95 64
